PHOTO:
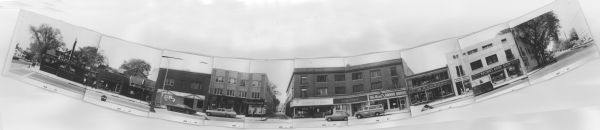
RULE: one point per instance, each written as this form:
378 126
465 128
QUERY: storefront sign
497 68
386 95
312 102
350 100
170 99
431 85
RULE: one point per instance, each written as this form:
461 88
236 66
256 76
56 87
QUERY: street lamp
166 73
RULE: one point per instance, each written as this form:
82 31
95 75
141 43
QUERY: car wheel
378 114
208 114
359 116
328 119
345 118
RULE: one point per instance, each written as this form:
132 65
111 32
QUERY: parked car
337 116
368 111
221 112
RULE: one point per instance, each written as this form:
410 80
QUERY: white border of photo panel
561 9
441 57
227 64
7 35
385 78
325 62
279 73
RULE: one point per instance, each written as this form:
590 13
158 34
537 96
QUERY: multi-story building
487 65
247 94
316 92
430 86
182 91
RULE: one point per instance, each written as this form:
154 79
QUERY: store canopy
311 102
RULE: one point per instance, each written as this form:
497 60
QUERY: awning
182 94
311 102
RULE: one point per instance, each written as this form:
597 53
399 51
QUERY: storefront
180 102
490 79
351 104
431 92
220 101
312 108
391 101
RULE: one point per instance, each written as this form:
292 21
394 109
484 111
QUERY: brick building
247 94
316 92
180 90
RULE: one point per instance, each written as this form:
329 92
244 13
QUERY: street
178 117
21 70
277 120
565 62
117 100
316 122
384 117
505 88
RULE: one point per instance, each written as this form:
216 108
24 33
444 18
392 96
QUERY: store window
375 73
476 65
509 55
340 77
403 103
232 81
498 76
322 91
357 88
340 90
357 76
459 70
376 85
322 78
491 59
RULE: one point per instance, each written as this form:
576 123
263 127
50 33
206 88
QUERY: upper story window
322 91
232 81
487 46
340 90
340 77
472 51
303 79
255 83
459 70
503 40
195 85
491 59
303 92
322 78
357 76
375 73
219 79
454 56
476 65
357 88
243 82
376 85
393 71
170 82
509 55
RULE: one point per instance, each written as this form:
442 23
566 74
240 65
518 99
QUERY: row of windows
242 82
322 91
491 60
486 46
342 77
171 82
232 93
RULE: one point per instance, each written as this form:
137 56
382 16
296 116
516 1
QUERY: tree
537 34
89 56
136 67
573 35
44 38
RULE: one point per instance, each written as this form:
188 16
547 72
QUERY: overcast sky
118 51
187 62
284 28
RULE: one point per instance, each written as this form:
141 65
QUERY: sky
187 62
430 56
283 28
117 51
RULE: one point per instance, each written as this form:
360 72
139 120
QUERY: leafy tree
89 56
573 35
44 38
136 67
537 34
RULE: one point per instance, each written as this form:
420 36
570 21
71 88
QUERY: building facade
316 92
430 86
488 64
180 90
247 94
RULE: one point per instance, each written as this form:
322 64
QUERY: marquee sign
497 68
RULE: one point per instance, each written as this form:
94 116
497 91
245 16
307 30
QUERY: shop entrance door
394 103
